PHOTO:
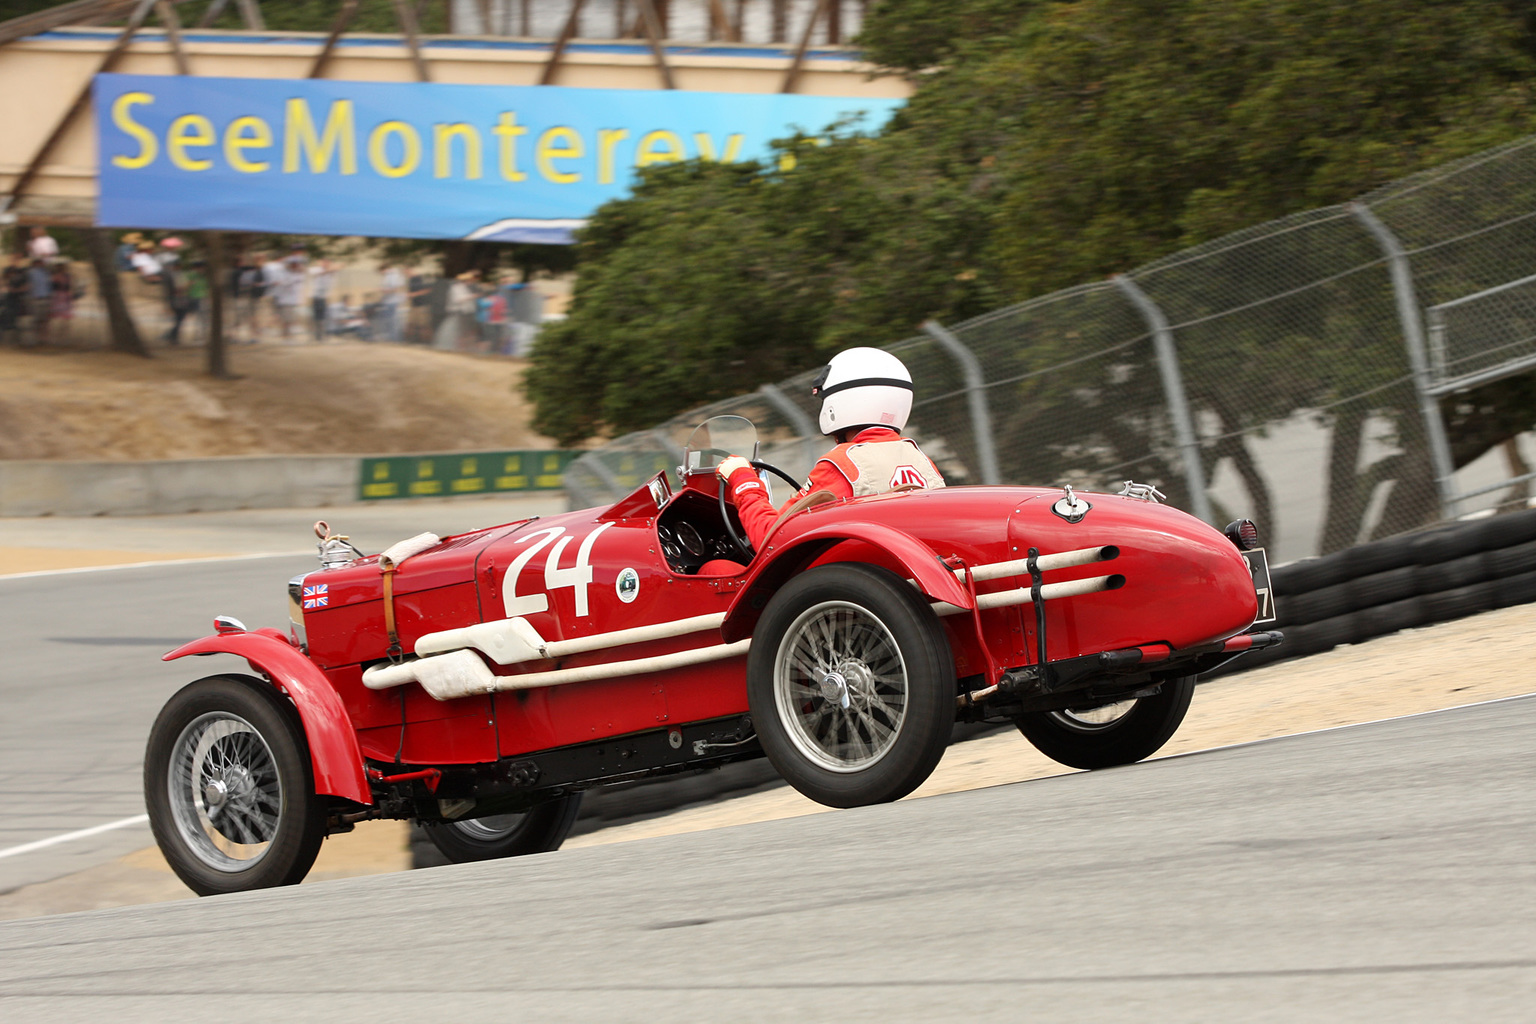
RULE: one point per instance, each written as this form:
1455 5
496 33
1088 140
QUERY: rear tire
230 789
851 685
1109 735
539 829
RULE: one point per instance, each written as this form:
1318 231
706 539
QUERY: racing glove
732 465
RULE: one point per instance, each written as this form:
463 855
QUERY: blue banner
407 160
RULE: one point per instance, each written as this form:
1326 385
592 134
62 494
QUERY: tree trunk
1518 467
217 366
125 336
1341 515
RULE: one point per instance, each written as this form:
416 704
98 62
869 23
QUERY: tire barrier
1446 572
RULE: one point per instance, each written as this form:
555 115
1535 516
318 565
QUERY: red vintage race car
480 683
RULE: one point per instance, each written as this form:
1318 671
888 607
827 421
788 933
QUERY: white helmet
864 387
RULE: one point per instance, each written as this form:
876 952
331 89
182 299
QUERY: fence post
1173 391
1413 340
803 424
976 395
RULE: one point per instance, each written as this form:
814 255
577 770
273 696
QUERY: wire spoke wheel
1105 735
1094 719
224 791
229 787
539 829
841 685
851 685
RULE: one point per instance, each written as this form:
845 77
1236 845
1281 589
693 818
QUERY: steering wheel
743 545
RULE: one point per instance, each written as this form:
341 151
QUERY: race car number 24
578 577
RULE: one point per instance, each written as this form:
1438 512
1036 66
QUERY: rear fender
333 749
773 568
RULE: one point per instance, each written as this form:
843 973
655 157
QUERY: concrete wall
41 488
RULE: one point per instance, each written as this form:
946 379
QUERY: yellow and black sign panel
432 476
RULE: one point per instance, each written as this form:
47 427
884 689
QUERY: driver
866 396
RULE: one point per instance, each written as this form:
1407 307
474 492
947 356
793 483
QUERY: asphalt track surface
1371 873
82 682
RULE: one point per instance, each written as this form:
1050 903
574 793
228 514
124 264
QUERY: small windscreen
718 438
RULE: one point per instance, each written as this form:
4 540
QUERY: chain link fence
1294 373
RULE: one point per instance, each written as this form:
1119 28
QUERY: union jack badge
317 596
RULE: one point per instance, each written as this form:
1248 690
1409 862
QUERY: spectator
245 289
396 295
460 313
62 300
41 245
273 273
39 299
322 278
173 284
496 318
419 323
14 286
126 247
288 295
196 292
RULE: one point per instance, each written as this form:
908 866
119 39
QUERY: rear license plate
1258 568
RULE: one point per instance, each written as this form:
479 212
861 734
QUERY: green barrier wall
429 476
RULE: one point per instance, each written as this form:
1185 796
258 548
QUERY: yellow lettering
442 145
124 121
549 150
237 141
299 129
380 158
706 146
506 131
607 138
189 130
659 147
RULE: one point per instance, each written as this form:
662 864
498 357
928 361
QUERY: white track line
148 565
137 819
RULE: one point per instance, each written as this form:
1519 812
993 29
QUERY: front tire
851 684
539 829
1110 734
229 787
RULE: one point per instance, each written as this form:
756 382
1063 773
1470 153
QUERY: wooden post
343 18
125 336
167 15
19 188
793 74
213 11
567 33
407 17
217 365
252 15
653 33
719 21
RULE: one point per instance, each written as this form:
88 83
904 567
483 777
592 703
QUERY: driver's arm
751 497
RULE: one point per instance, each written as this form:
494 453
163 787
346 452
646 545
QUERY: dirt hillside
336 398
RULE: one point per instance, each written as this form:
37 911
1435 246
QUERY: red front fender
773 567
333 750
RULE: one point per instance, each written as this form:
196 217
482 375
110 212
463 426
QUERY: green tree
1048 144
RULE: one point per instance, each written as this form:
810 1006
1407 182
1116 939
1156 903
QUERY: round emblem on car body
627 586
